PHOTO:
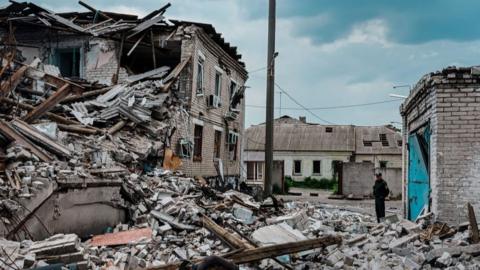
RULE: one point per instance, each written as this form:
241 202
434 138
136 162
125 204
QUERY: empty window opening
316 167
218 83
259 170
68 61
251 170
383 139
400 143
383 164
367 143
197 143
297 167
328 129
217 144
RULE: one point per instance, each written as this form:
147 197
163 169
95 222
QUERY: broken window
232 145
297 167
383 139
316 167
200 76
186 148
218 83
383 164
68 61
217 144
233 89
399 143
197 143
367 143
328 129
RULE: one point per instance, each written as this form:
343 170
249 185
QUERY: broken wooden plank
94 10
135 45
170 79
8 131
158 72
117 127
48 104
122 238
85 95
13 81
257 254
36 136
52 116
227 237
473 224
63 21
145 25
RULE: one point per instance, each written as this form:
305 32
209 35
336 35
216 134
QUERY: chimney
303 119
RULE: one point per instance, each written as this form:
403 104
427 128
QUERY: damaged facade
440 123
108 48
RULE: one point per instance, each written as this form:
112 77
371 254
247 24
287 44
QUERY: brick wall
450 100
210 118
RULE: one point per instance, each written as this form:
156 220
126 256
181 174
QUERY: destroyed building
304 149
441 118
108 48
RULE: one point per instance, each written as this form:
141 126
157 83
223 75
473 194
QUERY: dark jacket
380 189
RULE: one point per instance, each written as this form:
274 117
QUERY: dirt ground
363 206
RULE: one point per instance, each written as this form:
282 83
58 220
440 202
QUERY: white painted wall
307 159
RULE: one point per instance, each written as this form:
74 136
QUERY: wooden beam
12 82
48 104
224 235
473 224
105 16
119 59
257 254
38 137
154 58
8 131
172 77
117 127
85 95
135 45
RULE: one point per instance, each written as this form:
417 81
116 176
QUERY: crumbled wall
450 100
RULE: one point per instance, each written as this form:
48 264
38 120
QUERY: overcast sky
332 53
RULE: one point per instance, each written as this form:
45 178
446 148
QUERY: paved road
365 206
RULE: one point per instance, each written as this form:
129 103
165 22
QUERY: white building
304 149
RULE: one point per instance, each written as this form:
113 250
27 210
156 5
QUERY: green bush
313 183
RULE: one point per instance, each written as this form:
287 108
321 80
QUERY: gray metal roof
293 135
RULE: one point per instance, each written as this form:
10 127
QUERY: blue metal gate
418 172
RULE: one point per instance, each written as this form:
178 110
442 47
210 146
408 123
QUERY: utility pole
270 100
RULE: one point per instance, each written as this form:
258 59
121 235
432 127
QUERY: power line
257 70
333 107
299 104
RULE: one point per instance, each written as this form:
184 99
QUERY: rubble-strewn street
123 147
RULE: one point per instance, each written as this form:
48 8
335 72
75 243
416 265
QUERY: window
217 144
383 164
251 170
197 143
68 61
383 139
328 129
233 89
259 170
200 76
316 167
399 142
218 83
186 148
232 145
367 143
297 167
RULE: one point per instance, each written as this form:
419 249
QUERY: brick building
441 123
210 82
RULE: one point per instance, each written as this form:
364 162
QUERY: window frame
217 144
218 84
200 76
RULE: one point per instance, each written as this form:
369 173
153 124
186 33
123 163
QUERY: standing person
380 192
